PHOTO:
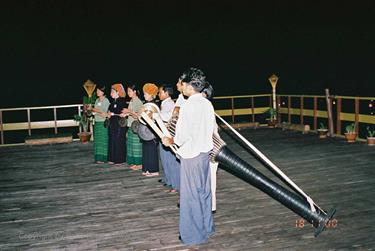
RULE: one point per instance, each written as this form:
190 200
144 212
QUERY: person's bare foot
172 191
136 167
152 174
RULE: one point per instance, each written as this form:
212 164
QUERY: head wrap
150 89
120 89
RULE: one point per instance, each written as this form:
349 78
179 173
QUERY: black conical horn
241 169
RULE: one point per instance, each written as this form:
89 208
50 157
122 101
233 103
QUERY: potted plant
351 133
272 119
322 131
84 122
370 136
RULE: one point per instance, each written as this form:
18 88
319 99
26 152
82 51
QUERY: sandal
152 174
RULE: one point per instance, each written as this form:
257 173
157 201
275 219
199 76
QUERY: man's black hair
194 77
208 90
167 88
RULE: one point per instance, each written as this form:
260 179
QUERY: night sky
49 48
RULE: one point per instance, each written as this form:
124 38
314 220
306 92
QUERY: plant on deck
370 133
83 120
272 113
350 128
322 126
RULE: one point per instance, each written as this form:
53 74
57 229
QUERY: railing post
232 101
338 119
29 121
1 127
356 103
79 113
301 110
252 109
55 118
289 106
278 109
315 113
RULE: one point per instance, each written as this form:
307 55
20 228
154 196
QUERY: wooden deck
55 198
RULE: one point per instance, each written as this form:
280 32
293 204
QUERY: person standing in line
117 140
208 93
134 144
179 102
150 158
167 158
100 131
180 99
194 130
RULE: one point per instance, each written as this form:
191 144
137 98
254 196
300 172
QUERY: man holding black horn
194 130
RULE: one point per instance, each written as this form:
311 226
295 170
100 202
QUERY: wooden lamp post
89 87
273 80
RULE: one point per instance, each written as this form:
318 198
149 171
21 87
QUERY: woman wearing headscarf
100 131
134 144
116 143
150 147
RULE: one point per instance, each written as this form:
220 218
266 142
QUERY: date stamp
301 223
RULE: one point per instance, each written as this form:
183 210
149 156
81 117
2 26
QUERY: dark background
50 48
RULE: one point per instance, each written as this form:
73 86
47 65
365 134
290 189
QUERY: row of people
188 172
110 144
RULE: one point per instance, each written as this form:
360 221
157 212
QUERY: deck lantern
89 87
273 80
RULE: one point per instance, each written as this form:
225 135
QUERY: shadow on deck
55 198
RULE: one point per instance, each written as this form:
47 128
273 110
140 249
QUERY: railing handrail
354 97
39 107
242 96
300 95
322 96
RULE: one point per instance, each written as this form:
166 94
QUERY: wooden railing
346 110
300 109
249 108
29 125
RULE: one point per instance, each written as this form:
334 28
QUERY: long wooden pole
331 131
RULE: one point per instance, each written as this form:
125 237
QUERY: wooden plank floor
55 198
